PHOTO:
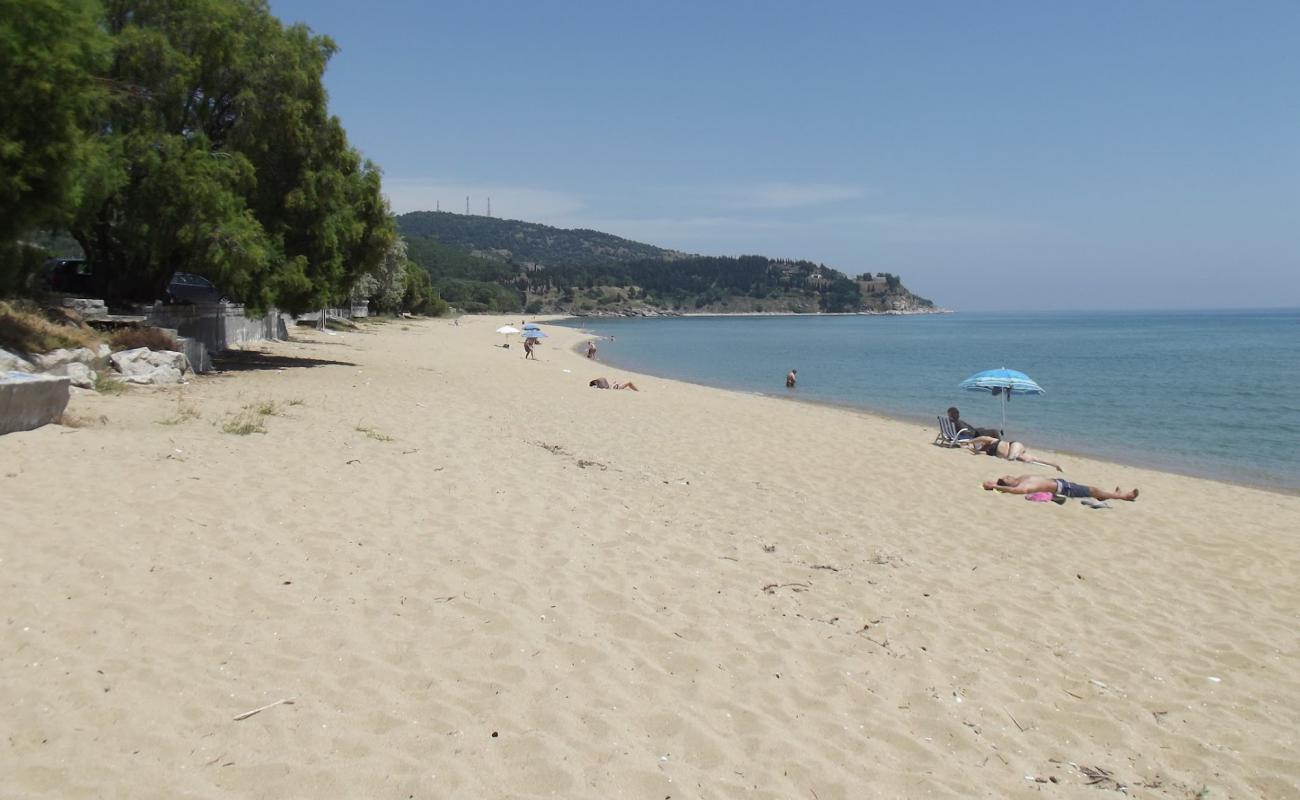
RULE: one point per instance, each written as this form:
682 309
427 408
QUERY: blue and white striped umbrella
532 326
533 334
1001 382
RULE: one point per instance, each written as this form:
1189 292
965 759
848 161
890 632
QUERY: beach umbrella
506 330
532 326
1001 382
533 334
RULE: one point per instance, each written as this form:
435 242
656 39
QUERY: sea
1214 394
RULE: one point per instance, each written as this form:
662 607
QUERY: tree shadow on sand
246 360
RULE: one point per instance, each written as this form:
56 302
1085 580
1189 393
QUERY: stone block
29 401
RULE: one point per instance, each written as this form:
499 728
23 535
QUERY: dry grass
75 421
23 328
152 338
243 423
374 434
250 418
107 385
183 414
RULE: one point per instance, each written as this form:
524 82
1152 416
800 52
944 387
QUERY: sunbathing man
601 383
1032 484
1011 451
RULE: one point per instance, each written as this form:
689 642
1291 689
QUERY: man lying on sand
1031 484
601 383
1011 451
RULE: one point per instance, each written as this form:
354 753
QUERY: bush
24 329
152 338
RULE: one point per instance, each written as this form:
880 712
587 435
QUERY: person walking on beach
1032 484
591 349
528 349
791 379
1011 451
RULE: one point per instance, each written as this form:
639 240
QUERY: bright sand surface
478 578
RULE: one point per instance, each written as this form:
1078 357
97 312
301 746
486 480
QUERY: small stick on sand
287 701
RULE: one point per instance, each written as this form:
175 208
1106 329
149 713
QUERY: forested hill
527 243
487 264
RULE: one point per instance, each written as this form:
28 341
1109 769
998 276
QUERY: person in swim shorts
1011 451
1032 484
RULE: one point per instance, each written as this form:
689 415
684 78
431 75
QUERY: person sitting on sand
791 379
1032 484
601 383
1011 451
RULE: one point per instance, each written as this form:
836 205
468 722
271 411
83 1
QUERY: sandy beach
476 577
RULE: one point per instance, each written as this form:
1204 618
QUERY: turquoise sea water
1213 393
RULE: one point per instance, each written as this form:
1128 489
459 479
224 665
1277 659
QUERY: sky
997 156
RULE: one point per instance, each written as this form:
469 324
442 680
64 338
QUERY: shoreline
1155 465
476 576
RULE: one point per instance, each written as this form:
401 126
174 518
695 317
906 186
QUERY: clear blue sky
1037 155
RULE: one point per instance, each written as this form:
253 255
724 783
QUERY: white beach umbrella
507 330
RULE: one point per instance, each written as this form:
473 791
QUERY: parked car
186 287
70 275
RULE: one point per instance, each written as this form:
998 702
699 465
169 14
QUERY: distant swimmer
791 378
1011 451
1032 484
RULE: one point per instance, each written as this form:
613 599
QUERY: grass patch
107 385
243 424
371 433
183 414
297 401
266 408
23 328
75 421
152 338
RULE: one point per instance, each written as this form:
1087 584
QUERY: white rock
49 361
143 361
80 374
158 375
11 362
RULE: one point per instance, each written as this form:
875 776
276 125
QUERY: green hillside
487 264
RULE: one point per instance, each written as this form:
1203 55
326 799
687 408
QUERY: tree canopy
204 144
50 53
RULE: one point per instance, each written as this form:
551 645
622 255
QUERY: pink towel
1039 497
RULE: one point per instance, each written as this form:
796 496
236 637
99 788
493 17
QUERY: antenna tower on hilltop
467 205
489 206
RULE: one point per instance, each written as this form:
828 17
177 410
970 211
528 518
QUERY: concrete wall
214 327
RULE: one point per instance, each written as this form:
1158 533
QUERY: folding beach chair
948 433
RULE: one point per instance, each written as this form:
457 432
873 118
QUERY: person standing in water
791 378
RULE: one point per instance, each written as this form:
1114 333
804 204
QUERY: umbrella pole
1005 392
